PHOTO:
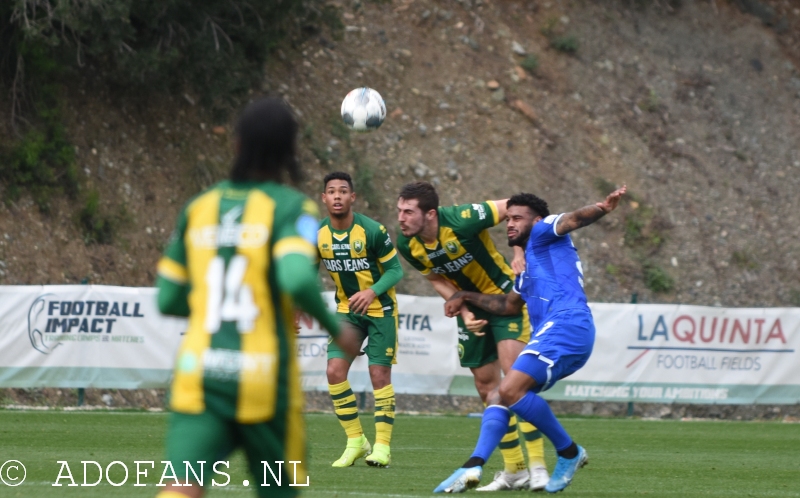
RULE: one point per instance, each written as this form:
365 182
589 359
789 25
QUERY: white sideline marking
81 410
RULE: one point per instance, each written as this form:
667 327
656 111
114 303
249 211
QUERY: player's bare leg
487 378
337 370
346 408
381 377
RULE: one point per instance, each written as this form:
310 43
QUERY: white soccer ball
363 109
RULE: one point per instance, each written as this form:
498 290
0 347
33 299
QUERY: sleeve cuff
173 271
518 284
495 214
294 245
555 225
389 256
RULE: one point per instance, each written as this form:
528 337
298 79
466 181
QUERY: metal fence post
82 391
634 299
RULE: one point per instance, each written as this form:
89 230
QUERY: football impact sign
85 336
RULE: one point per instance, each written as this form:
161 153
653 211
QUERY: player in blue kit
552 287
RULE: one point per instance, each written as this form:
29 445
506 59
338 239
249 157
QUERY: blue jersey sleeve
544 232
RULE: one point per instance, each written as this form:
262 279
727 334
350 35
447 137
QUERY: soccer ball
363 109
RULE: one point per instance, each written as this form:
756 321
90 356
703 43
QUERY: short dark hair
337 175
535 204
423 192
267 133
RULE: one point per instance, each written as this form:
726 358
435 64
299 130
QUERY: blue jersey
553 277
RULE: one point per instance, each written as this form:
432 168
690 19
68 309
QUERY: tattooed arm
446 289
497 304
589 214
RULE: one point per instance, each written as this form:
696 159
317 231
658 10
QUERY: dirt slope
695 105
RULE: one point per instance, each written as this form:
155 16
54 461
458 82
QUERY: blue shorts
559 347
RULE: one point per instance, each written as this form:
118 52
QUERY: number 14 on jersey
229 299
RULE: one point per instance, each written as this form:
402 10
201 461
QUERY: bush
216 48
744 260
41 160
658 280
566 44
651 103
530 63
96 227
634 227
100 226
42 163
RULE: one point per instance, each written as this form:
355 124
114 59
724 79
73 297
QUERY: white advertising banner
85 336
114 337
427 353
690 354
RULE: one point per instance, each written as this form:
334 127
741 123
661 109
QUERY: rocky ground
694 104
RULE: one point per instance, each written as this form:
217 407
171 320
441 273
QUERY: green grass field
627 457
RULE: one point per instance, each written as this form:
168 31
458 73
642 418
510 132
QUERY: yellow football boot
380 456
357 447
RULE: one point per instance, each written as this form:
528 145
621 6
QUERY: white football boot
506 481
539 478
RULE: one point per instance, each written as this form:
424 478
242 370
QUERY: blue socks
493 427
531 408
534 409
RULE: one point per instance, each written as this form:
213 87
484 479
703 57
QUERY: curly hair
338 175
535 204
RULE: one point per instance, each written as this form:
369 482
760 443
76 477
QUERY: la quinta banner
690 354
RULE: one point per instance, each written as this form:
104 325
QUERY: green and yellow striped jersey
237 358
355 260
464 252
